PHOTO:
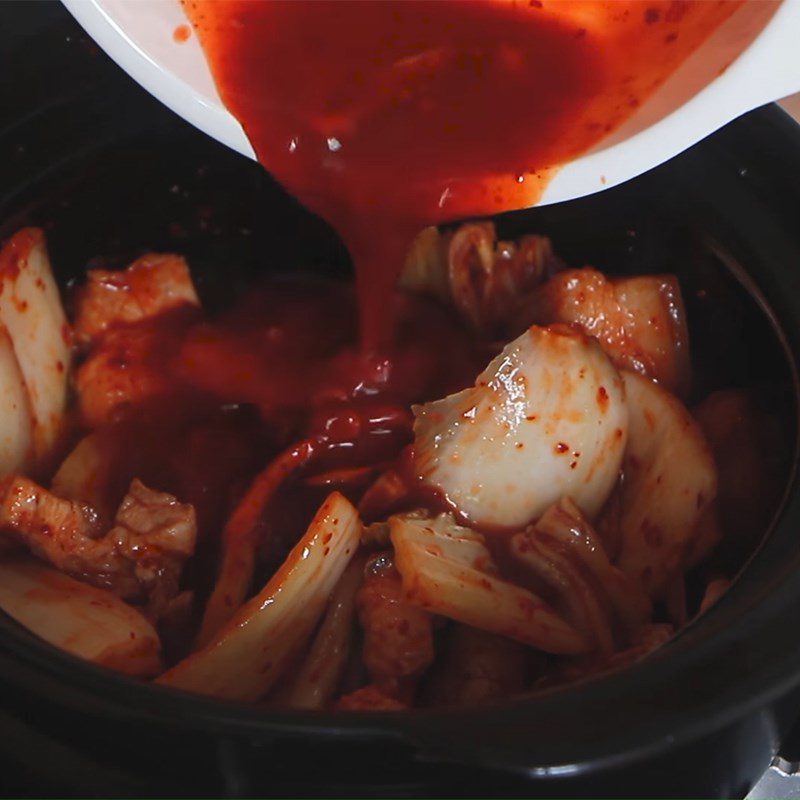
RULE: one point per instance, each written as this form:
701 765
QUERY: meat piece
715 588
151 285
31 311
123 374
545 419
398 637
479 667
156 534
640 322
658 330
202 463
139 559
54 529
751 452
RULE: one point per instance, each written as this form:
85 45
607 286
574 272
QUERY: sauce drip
387 116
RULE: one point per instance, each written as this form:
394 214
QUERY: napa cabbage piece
448 570
83 620
547 418
16 420
670 481
86 474
425 268
322 669
565 553
253 649
241 534
479 275
31 311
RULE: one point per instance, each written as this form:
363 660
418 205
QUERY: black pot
108 171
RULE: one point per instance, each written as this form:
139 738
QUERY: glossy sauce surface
277 372
384 117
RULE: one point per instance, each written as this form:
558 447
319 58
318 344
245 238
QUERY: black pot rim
662 706
674 697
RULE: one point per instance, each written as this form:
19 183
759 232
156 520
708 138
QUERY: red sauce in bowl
387 116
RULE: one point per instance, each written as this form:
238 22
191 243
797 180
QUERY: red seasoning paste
387 116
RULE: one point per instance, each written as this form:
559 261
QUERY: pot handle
782 779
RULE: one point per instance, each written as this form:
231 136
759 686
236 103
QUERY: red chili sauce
218 399
383 117
387 116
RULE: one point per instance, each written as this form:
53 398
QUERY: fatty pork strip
398 636
117 325
640 321
150 286
139 559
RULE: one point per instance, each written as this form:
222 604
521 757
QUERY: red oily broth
387 116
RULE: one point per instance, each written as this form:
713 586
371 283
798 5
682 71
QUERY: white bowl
752 59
